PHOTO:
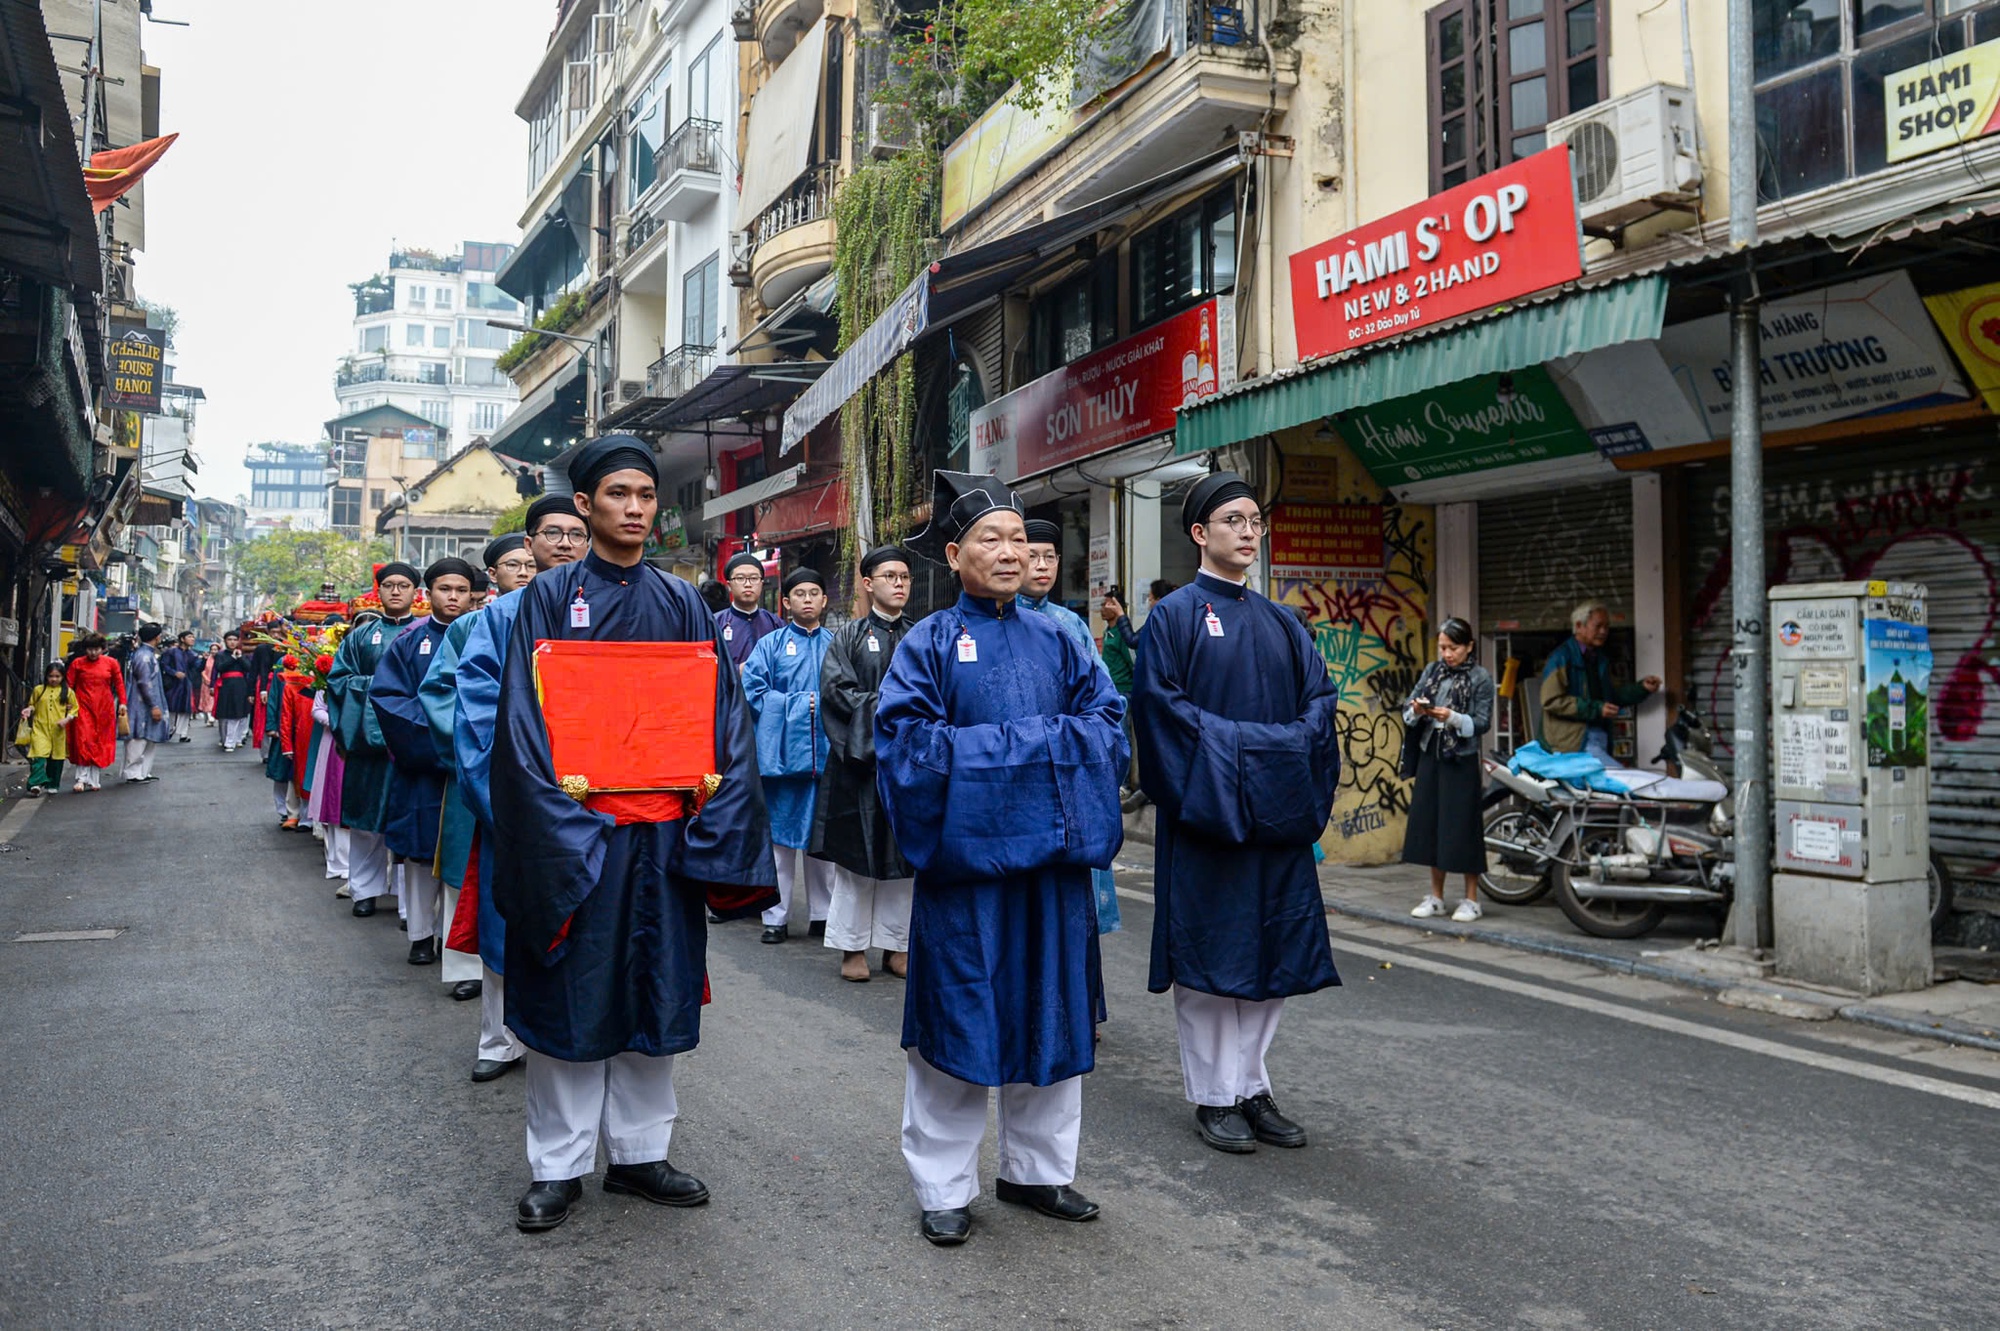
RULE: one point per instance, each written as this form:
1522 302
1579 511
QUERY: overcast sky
313 137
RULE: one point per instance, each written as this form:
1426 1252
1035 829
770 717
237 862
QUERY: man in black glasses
743 621
1235 719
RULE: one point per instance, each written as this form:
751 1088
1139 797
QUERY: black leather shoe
546 1204
1051 1199
403 924
491 1069
1271 1127
1225 1128
365 908
656 1181
465 989
817 929
423 952
776 933
947 1229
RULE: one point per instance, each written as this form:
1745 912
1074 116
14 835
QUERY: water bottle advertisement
1897 708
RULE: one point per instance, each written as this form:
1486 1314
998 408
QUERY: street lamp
403 533
589 365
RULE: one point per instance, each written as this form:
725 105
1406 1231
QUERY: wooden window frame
1487 68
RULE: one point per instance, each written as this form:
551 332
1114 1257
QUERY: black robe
232 686
606 938
850 827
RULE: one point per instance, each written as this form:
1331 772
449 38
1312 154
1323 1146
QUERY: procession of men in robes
939 797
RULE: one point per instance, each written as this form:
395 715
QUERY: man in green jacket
1578 697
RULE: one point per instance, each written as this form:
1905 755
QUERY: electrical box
1850 730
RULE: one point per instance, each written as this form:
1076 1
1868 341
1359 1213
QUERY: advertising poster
1970 322
1323 542
1896 713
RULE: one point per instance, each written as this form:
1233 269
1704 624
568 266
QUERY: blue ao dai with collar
1101 882
781 684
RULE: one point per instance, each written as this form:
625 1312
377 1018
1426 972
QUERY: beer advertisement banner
138 360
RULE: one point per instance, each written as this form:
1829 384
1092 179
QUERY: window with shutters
1184 260
1499 72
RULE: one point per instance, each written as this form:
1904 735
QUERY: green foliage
953 59
555 318
289 566
163 317
515 518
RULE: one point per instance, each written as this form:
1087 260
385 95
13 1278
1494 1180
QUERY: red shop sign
1130 390
1320 542
1509 233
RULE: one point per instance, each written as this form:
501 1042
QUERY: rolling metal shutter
1915 510
1542 554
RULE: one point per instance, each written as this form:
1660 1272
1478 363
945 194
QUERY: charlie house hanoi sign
1491 240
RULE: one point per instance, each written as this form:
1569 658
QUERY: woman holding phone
1451 706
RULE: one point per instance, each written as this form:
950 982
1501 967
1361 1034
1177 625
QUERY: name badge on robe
376 641
728 634
873 645
791 647
1214 625
579 612
968 650
424 647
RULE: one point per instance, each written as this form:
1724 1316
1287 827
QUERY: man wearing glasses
742 622
461 698
1235 719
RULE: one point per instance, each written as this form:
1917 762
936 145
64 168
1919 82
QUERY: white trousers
495 1040
285 799
90 778
628 1097
367 864
1223 1043
183 723
456 966
818 880
868 912
944 1120
423 895
139 755
336 851
235 732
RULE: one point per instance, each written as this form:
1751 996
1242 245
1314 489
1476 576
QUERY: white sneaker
1429 907
1467 912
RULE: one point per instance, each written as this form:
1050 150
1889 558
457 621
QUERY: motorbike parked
1618 862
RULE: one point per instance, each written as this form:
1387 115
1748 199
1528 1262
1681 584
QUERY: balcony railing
644 227
679 370
809 199
695 146
375 372
1221 25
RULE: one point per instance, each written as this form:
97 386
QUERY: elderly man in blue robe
555 535
1235 722
781 684
416 778
1038 594
604 898
998 750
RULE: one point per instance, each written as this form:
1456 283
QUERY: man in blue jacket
781 684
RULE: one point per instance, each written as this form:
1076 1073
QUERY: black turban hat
480 582
501 546
613 452
1043 532
800 577
447 566
1210 493
742 560
959 499
560 505
394 567
883 554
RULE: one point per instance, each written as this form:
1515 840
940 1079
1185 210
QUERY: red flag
115 170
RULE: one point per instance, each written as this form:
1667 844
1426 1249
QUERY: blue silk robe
179 661
481 662
738 632
364 782
1101 881
143 692
781 684
998 764
1237 749
606 936
438 696
416 778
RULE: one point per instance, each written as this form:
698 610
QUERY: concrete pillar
1649 610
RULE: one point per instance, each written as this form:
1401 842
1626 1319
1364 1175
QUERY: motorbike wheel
1597 916
1513 879
1943 890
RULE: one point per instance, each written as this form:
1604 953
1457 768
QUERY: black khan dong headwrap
1210 493
800 577
1043 532
501 546
562 506
883 554
445 567
742 560
395 567
614 452
958 500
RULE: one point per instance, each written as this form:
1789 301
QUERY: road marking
68 936
17 818
1641 1017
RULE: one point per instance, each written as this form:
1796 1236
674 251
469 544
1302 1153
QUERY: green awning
1567 326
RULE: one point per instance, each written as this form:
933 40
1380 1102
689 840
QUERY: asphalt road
246 1110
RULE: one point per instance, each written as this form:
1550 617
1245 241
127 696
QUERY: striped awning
880 342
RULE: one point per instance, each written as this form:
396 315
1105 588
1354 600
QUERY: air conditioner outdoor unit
1632 156
739 258
888 132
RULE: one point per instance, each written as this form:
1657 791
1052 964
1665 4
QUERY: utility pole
1751 918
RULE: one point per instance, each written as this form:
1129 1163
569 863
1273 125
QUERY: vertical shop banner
138 356
1324 542
1128 391
1502 236
1845 350
1471 426
1896 713
1942 103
